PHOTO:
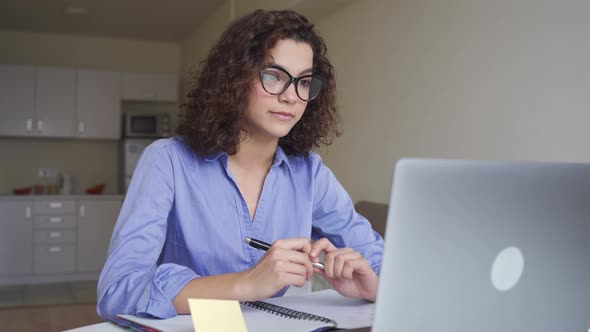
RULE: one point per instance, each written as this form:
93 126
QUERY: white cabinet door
55 103
149 87
99 104
17 99
16 238
96 221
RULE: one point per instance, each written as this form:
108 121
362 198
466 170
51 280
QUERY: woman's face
268 116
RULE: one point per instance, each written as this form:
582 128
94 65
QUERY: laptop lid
486 246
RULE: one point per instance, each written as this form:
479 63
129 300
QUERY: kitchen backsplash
90 162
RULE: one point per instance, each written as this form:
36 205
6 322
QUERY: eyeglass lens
275 81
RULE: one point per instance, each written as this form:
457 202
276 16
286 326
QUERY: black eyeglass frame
291 81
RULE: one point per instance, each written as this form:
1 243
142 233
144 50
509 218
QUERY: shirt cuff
169 280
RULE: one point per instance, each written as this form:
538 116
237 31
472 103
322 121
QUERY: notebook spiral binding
289 313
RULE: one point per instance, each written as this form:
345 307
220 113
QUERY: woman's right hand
286 263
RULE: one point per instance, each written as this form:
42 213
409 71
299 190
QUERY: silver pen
261 245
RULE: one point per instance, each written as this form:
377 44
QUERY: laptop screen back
486 246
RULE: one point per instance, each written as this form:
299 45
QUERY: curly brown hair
212 119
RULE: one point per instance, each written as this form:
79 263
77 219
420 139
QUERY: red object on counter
95 190
22 191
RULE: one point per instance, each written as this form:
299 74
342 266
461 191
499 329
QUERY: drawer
55 236
55 221
54 207
54 258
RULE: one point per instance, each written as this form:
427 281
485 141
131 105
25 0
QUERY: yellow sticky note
216 315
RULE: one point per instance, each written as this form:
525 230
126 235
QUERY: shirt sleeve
335 218
131 282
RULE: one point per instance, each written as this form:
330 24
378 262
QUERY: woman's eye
270 77
305 83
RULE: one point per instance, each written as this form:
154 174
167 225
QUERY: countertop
60 197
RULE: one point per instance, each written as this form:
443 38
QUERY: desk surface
100 327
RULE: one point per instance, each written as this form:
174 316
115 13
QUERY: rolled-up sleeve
335 218
131 282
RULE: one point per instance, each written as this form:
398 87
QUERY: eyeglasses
275 80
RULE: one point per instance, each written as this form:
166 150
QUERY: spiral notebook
315 311
305 321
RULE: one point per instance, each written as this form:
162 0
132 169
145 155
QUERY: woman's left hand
346 270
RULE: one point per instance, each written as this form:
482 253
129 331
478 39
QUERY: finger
290 279
329 265
290 267
298 243
322 244
294 257
340 257
352 265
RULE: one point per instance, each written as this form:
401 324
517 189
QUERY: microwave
147 125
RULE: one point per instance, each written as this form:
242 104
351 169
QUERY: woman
242 167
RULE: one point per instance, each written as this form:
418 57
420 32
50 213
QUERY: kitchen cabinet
55 238
98 104
17 99
53 251
16 242
55 102
74 103
96 221
37 101
149 87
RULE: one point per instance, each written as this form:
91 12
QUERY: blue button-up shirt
184 217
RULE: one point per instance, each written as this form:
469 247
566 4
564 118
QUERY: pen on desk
261 245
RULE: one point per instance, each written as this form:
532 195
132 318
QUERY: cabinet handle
40 125
54 235
82 211
55 249
81 127
29 125
55 220
28 212
56 205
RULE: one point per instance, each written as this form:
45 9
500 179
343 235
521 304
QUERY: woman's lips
283 115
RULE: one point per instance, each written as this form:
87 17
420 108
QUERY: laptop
486 246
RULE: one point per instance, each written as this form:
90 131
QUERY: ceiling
155 20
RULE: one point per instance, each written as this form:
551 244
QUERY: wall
195 47
91 161
457 79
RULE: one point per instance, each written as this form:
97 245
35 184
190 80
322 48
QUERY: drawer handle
55 249
55 220
56 205
55 234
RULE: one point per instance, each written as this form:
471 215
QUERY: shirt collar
280 157
215 156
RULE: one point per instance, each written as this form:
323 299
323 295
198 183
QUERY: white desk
100 327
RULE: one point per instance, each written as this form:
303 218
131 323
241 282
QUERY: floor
48 307
52 318
48 294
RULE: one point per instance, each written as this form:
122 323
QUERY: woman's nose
289 95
